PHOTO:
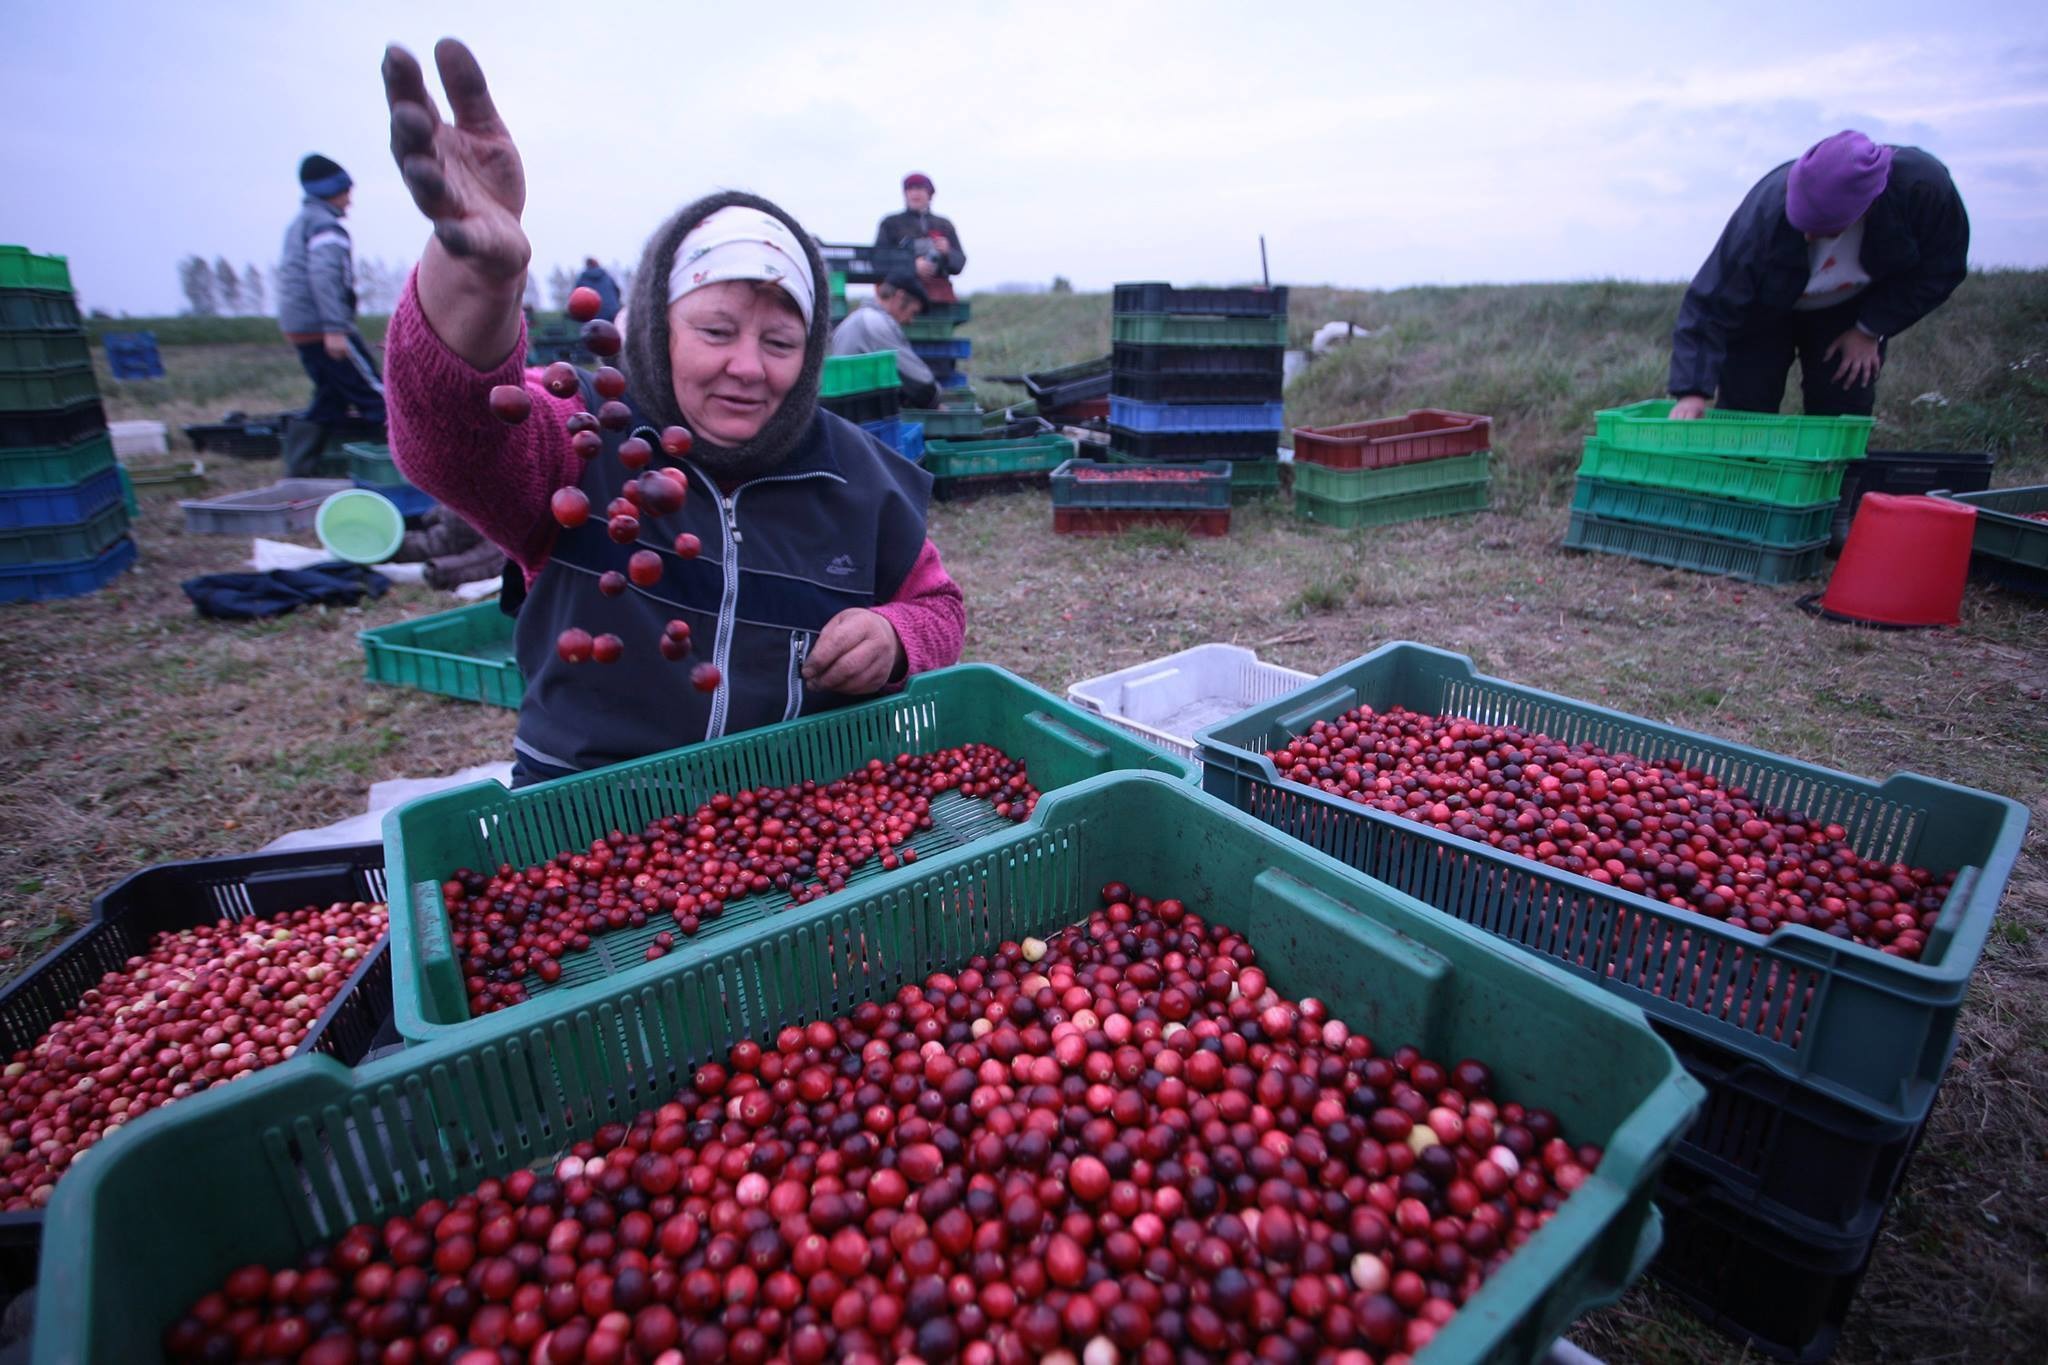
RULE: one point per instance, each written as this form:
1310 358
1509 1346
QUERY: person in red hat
933 239
1827 258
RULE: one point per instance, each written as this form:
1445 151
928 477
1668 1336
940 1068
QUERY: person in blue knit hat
316 310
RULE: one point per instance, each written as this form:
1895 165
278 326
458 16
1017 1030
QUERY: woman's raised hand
466 176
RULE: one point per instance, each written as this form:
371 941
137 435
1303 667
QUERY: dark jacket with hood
811 517
1915 241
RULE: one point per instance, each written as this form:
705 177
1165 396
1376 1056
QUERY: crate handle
276 890
1059 732
1341 917
1319 706
438 968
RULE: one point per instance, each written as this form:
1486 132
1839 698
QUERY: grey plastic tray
285 506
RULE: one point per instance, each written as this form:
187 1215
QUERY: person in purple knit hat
1827 259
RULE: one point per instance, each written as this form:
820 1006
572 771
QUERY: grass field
135 732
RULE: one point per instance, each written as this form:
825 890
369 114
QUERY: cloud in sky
1373 145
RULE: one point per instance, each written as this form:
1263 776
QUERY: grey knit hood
650 382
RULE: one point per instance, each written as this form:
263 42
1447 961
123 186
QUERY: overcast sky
1373 144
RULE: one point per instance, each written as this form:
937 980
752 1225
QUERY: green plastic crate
1210 489
53 466
929 329
981 459
958 311
1753 563
835 284
1253 479
1454 501
484 825
945 423
1648 426
42 391
1766 524
370 462
43 351
1783 482
850 374
464 653
21 268
2003 531
1373 485
1865 1029
1182 329
282 1161
64 544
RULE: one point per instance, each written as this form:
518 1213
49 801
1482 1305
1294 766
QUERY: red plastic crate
1424 434
1110 521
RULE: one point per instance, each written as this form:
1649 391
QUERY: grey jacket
316 276
868 329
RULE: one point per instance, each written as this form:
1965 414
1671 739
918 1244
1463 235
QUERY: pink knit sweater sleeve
444 439
929 614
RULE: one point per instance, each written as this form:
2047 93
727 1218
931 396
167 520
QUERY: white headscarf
739 243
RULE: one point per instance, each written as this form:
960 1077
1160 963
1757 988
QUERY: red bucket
1905 562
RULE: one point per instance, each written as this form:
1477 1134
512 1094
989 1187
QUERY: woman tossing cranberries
702 549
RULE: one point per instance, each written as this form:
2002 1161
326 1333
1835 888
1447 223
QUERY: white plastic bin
1167 700
139 438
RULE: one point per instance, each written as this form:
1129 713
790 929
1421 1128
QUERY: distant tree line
216 290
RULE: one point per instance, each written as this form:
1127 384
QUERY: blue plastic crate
409 501
893 433
911 446
25 509
39 582
953 348
955 379
1191 417
133 355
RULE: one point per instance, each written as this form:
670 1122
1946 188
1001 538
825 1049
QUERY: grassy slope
135 732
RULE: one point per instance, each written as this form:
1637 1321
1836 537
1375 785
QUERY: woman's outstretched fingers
469 95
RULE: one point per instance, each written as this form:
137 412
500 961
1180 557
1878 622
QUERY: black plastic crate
1133 358
1908 471
57 427
1069 384
1769 1148
1156 297
1748 1280
1196 445
873 405
248 438
2019 578
1198 386
866 264
178 896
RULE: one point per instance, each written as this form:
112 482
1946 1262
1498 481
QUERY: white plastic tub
139 438
1167 700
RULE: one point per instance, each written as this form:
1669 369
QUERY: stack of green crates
63 520
835 281
931 336
1746 494
1195 375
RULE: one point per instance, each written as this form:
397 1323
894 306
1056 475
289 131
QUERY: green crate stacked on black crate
1426 463
1195 374
63 519
1747 494
932 337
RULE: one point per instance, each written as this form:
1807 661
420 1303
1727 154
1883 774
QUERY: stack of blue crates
63 522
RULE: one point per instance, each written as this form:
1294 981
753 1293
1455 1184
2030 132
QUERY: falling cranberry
571 506
573 645
580 421
674 649
601 337
583 303
615 416
688 546
624 528
611 583
662 492
606 649
644 568
676 441
608 382
677 628
511 404
586 445
562 379
705 677
635 453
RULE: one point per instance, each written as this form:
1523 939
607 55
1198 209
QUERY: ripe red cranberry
511 404
561 379
571 506
574 645
607 649
705 677
644 568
